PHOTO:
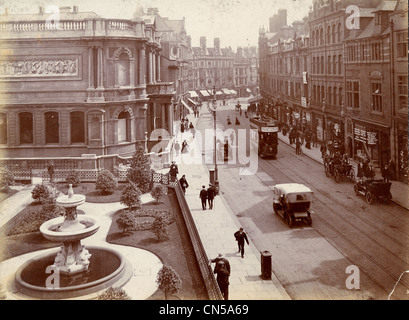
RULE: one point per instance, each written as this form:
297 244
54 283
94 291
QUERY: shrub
126 221
106 181
6 179
73 177
40 193
139 171
131 196
158 191
168 280
114 294
160 228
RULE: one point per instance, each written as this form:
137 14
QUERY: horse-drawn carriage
338 167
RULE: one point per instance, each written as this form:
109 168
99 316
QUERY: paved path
216 228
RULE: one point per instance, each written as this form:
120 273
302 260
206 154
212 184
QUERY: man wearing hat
241 236
222 269
173 171
203 197
210 195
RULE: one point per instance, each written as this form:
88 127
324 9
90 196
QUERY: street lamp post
213 111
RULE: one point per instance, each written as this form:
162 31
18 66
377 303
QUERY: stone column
158 68
150 64
91 68
100 69
154 67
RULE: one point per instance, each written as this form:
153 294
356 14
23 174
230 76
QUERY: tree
114 294
157 192
160 228
40 193
131 196
168 280
6 179
126 221
140 169
73 177
106 181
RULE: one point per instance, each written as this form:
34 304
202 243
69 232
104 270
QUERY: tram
263 136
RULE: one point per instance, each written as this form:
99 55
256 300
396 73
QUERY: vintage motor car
292 202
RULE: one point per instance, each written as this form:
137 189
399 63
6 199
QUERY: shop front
372 141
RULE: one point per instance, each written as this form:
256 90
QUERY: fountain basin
108 268
73 200
82 227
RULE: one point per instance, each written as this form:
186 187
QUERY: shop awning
256 98
192 102
248 90
204 93
219 92
186 106
226 91
193 94
233 91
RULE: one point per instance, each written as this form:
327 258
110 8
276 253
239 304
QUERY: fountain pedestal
73 258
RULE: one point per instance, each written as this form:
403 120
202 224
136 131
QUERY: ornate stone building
79 84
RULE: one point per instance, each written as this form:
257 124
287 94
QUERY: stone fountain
79 271
70 229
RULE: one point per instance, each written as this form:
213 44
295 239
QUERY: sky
235 22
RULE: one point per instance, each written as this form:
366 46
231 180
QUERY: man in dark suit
210 195
203 197
240 238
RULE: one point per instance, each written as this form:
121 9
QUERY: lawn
177 251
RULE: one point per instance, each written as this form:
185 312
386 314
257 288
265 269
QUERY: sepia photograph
187 150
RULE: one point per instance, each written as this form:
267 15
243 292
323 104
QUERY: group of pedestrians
207 195
222 268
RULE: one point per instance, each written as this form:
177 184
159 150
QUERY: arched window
321 36
26 127
333 33
77 127
339 32
123 126
52 131
123 70
328 34
3 128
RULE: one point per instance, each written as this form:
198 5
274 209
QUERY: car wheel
336 174
327 171
369 197
290 221
356 189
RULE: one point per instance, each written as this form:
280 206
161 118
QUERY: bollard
266 265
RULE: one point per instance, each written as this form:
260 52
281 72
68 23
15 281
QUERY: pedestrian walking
211 193
184 146
241 236
228 120
50 169
360 173
183 183
314 140
323 150
298 146
237 121
173 171
177 148
203 197
223 279
219 258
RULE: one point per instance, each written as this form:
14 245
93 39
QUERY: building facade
81 85
355 80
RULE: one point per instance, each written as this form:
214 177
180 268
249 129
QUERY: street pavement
216 229
399 190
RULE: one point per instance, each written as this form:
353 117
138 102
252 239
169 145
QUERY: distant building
245 71
211 67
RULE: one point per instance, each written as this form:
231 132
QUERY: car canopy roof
294 191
